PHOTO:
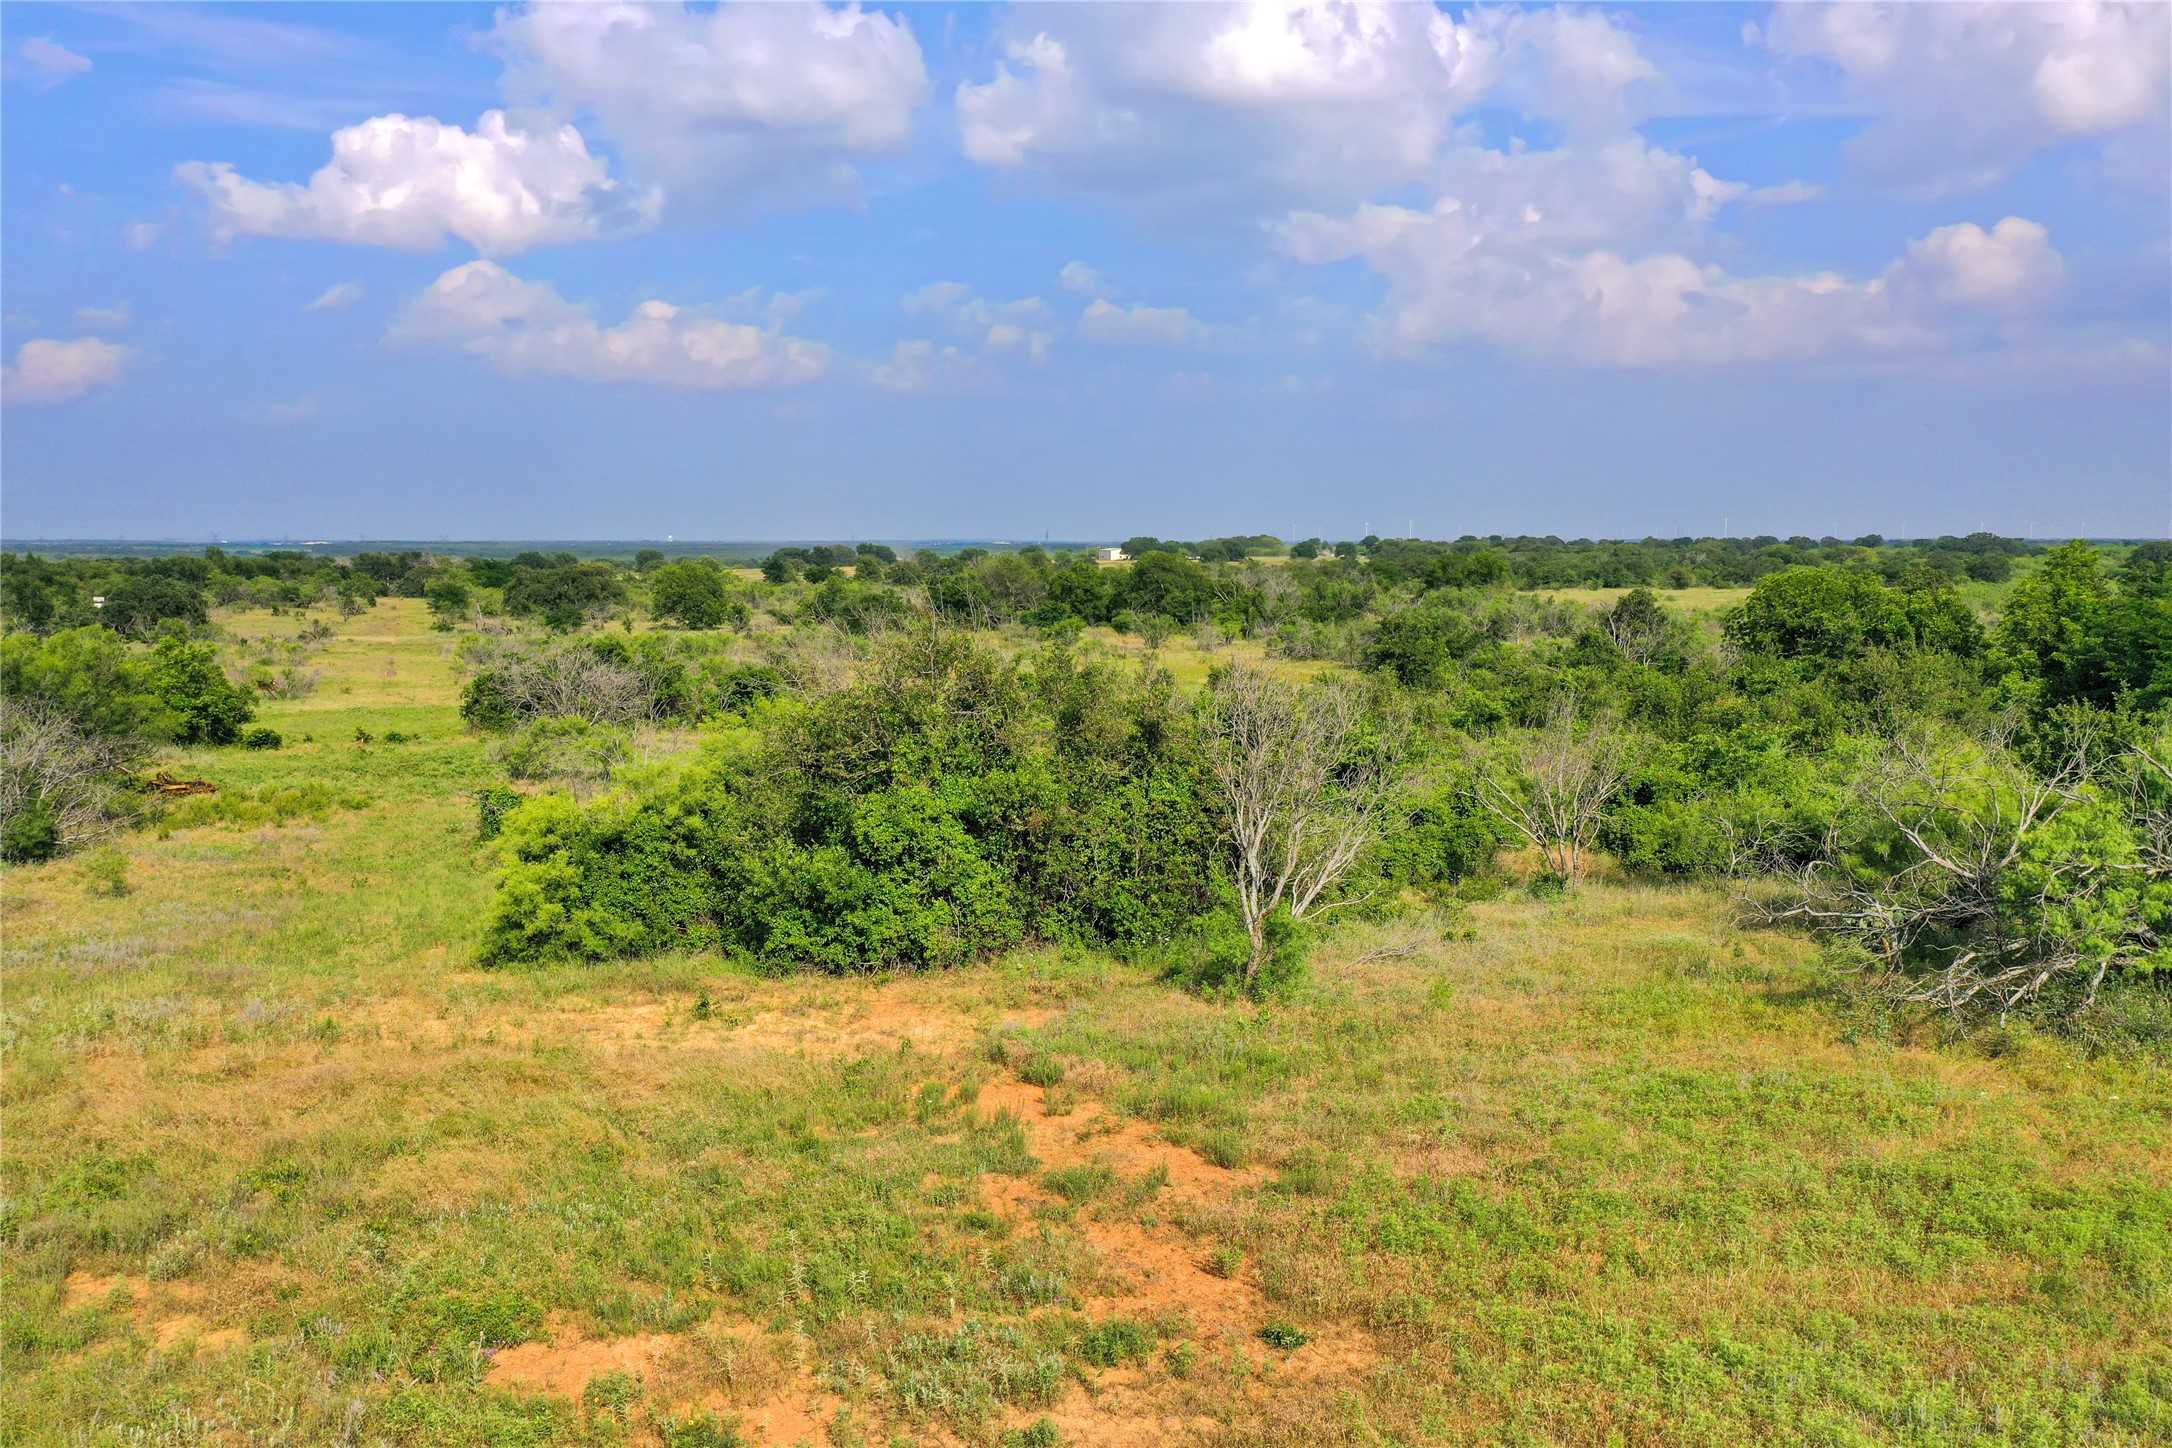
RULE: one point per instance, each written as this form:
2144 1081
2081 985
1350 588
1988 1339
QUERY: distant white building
1108 555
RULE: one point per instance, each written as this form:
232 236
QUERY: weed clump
1081 1184
105 872
1116 1342
1041 1069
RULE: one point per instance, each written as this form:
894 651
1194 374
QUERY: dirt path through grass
1125 1191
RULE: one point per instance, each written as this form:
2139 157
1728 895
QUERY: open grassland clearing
283 1166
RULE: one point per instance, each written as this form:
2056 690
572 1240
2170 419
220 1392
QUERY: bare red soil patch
167 1313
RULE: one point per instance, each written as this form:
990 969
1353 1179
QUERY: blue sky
795 270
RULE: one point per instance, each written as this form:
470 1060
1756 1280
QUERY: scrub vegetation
1376 992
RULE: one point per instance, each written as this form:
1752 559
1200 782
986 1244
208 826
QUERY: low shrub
947 805
1116 1342
105 872
261 737
1210 955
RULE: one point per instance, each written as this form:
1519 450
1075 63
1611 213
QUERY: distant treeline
1586 554
1173 579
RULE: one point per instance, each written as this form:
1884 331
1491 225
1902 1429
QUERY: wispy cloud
335 298
51 61
300 409
197 99
187 31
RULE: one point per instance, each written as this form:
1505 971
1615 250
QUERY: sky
802 270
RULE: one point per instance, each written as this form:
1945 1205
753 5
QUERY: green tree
187 679
563 595
2052 626
140 603
88 677
1418 644
695 594
1820 613
448 597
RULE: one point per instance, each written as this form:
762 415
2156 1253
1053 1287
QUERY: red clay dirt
1150 1269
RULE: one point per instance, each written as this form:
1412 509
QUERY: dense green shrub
696 594
1418 644
1738 801
90 678
30 831
562 594
732 688
188 681
261 738
1441 838
142 603
949 804
1213 953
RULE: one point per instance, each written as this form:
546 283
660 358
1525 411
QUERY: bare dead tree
1555 785
562 680
1301 795
2148 782
814 660
1640 634
49 763
1963 812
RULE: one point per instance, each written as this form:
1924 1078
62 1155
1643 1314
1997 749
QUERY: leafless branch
1300 800
1555 787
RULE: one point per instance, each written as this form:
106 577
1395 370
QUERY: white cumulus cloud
732 104
409 182
1962 94
46 371
525 328
918 365
1024 326
1076 276
1457 276
2011 265
1216 104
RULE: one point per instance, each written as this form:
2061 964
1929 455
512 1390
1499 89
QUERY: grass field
1688 602
282 1166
